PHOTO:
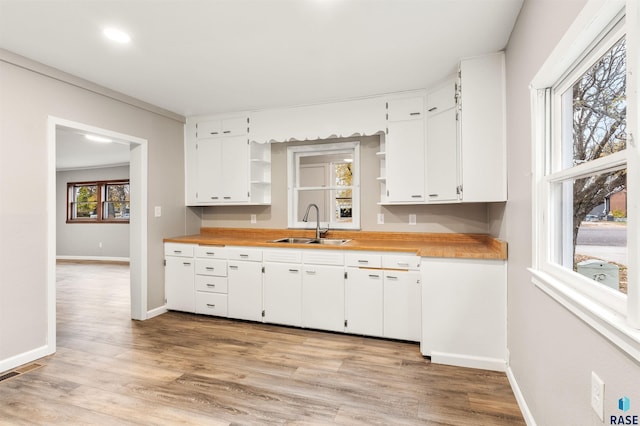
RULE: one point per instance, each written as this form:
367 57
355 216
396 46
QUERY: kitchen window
98 202
326 175
585 255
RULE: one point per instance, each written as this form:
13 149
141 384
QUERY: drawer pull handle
214 133
233 267
214 198
244 255
227 198
416 196
211 285
414 113
209 305
209 268
293 270
374 276
433 195
227 131
363 261
186 263
391 277
177 251
433 109
210 253
403 263
311 272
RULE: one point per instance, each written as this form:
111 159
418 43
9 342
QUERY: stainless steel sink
328 241
293 240
299 240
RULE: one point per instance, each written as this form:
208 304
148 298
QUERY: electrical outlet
157 211
254 219
597 395
380 218
412 219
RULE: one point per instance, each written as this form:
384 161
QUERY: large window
586 172
325 175
101 201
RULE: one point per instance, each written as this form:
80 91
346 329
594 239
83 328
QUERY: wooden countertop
449 245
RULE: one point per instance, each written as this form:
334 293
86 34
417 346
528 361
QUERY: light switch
412 219
158 211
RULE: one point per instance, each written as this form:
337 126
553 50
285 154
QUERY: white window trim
609 312
292 182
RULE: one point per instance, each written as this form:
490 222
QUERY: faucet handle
323 232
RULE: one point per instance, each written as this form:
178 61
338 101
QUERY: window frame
293 165
616 316
101 191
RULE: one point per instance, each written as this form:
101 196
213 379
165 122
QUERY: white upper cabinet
222 166
482 128
442 144
405 151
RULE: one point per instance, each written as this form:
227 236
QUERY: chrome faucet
305 218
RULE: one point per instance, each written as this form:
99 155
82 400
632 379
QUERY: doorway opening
138 154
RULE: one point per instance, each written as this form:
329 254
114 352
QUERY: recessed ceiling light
117 35
95 138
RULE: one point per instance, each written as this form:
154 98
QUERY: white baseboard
95 258
469 361
157 311
25 358
526 413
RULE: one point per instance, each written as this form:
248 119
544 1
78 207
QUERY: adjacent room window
581 252
325 175
101 201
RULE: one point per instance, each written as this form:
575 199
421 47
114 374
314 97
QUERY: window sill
609 323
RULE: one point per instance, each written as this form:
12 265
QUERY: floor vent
9 375
18 371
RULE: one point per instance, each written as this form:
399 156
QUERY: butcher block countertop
449 245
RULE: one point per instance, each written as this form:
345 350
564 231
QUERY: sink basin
299 240
293 240
329 241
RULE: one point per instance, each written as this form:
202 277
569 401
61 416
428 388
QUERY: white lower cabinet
283 293
402 305
364 301
244 293
179 277
464 312
323 297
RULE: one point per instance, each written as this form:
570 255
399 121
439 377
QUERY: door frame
138 169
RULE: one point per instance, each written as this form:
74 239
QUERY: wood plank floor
186 369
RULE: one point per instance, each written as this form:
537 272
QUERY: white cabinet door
364 301
405 109
179 283
482 129
402 305
442 145
283 293
244 290
405 161
208 171
234 167
323 297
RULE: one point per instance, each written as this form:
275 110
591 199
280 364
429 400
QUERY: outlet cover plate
597 395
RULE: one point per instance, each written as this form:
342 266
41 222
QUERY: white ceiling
75 151
207 56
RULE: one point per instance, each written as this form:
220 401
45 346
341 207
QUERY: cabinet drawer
211 284
365 260
211 252
249 254
211 267
211 304
400 262
177 249
406 109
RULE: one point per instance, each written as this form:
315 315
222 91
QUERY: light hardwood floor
186 369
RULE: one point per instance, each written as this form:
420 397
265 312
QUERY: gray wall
27 99
471 218
83 240
552 352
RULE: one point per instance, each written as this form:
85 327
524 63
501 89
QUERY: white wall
468 218
27 99
552 352
88 240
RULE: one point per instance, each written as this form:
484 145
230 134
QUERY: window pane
598 107
86 201
592 215
319 197
116 204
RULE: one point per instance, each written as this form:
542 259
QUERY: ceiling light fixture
100 139
117 35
